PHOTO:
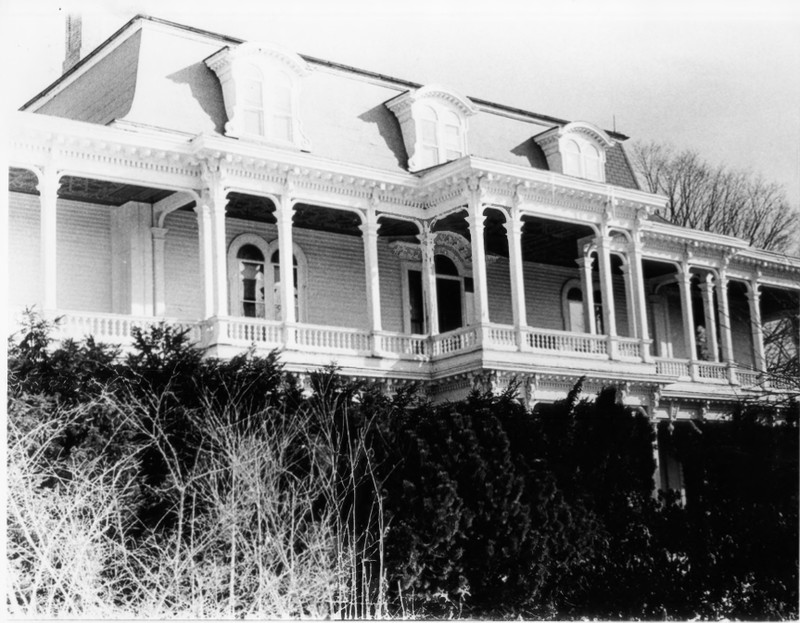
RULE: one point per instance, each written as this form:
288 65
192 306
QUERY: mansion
407 233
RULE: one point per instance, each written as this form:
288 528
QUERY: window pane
426 112
428 132
576 322
282 127
253 122
250 252
452 137
253 93
444 265
572 163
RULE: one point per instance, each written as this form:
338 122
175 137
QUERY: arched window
250 271
261 92
254 278
573 308
582 159
441 136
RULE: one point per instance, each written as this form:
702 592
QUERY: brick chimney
73 42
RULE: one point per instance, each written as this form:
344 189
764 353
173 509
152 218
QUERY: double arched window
254 279
441 135
267 103
583 159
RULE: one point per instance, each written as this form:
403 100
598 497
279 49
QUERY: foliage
716 199
163 483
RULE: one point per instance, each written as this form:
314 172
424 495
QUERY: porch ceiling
87 190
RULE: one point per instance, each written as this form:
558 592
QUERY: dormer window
577 149
261 89
433 121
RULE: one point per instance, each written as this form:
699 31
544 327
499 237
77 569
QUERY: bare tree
717 199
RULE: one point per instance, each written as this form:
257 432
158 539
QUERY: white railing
500 336
250 331
748 378
709 371
672 367
115 328
565 341
454 341
629 347
402 345
323 338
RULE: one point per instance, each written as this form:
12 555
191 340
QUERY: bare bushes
183 488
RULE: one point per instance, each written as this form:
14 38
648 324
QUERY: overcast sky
722 78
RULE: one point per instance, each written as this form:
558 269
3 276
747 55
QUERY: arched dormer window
261 88
433 121
254 278
577 149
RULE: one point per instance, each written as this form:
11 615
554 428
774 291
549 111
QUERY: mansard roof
151 75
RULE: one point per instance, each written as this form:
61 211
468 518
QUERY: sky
721 78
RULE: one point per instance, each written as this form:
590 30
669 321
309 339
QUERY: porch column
213 202
754 298
640 298
627 280
607 290
284 214
587 285
475 220
426 241
220 252
369 229
49 183
203 211
514 233
726 338
707 290
159 235
685 282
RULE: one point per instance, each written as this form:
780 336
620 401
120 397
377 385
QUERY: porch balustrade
118 329
114 328
677 368
566 342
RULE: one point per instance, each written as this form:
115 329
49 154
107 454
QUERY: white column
707 289
159 235
640 298
426 241
627 279
220 255
475 220
369 230
607 290
684 283
726 338
284 214
514 233
587 285
49 182
203 211
754 298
